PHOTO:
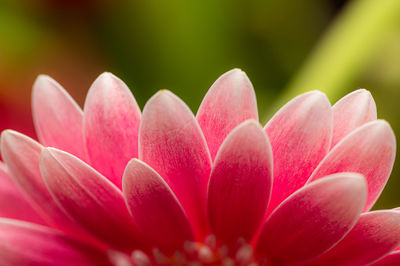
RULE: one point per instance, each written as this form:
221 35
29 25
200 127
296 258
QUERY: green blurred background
286 47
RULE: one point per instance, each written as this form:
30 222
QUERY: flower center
195 253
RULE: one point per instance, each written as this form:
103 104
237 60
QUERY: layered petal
21 155
23 243
13 203
240 183
230 101
351 112
154 207
313 219
300 135
369 150
93 201
375 235
111 126
57 117
391 259
171 142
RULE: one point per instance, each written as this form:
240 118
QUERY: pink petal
389 260
369 150
88 197
57 117
375 235
230 101
111 126
313 219
300 135
24 243
150 201
350 112
171 142
21 155
13 203
240 183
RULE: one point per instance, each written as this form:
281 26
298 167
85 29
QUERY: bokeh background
286 47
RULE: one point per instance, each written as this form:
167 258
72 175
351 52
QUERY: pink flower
215 189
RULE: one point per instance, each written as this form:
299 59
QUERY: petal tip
161 97
237 72
363 92
105 79
237 76
317 95
382 127
106 75
250 123
41 78
43 83
9 134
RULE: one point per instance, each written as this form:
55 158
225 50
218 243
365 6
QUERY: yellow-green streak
354 38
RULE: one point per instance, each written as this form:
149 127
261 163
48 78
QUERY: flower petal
57 117
171 142
313 219
21 155
230 101
240 183
13 203
150 201
350 112
24 243
300 135
374 235
93 201
111 126
389 260
369 150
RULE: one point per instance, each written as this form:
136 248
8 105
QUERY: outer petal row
171 142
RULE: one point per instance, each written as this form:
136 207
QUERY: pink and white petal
111 126
13 204
369 150
351 112
300 135
240 183
391 259
23 243
230 101
150 201
171 142
91 199
21 154
57 117
374 235
313 219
